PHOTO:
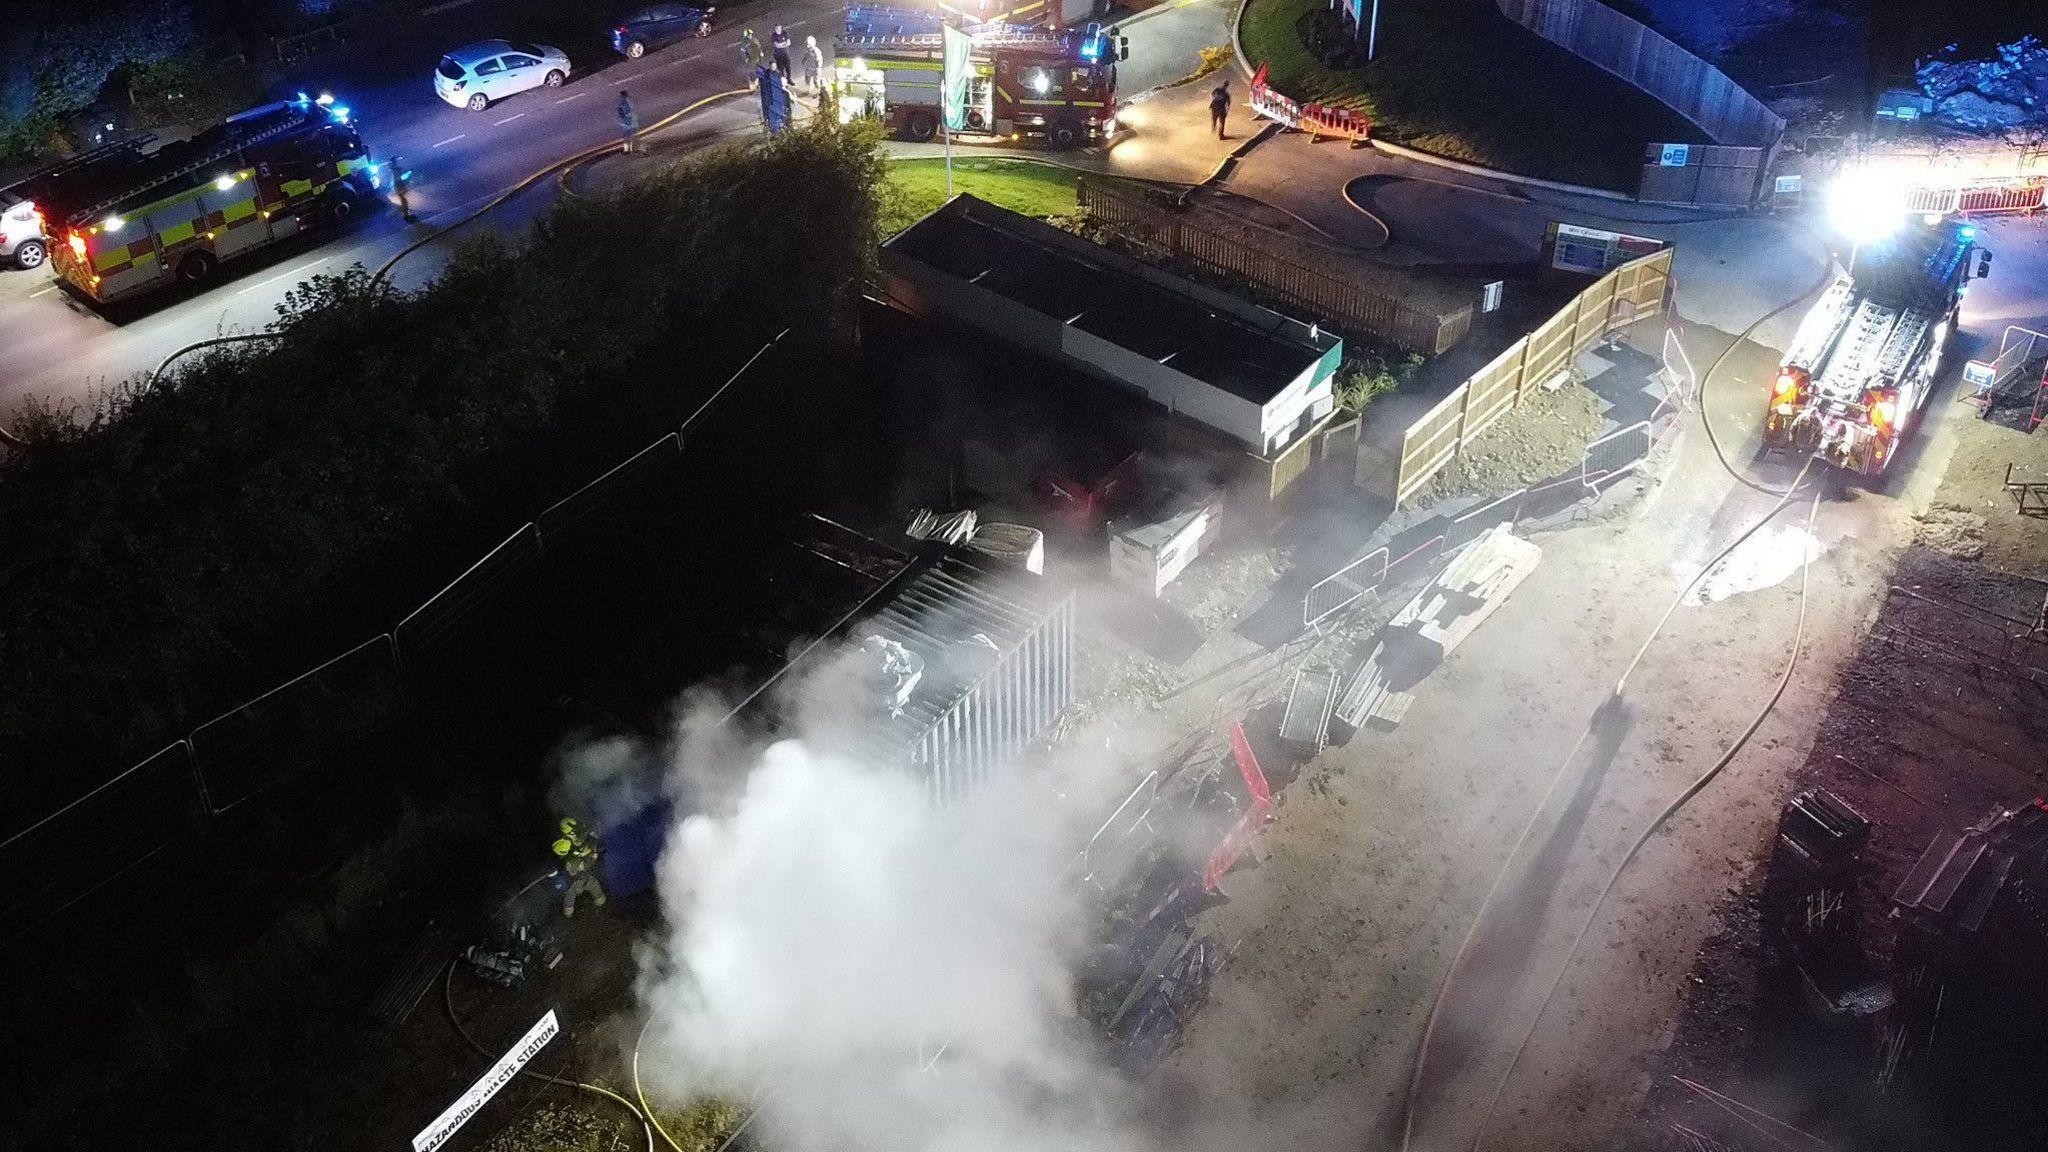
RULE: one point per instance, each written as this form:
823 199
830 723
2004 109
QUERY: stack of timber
1475 583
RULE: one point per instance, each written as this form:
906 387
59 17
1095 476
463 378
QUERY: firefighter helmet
563 848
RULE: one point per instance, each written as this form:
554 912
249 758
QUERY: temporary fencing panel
438 621
66 855
576 514
297 724
1632 292
1344 587
1617 453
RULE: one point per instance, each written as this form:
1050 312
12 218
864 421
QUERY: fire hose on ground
643 1113
1614 698
1472 931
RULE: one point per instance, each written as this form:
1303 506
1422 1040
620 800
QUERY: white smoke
882 975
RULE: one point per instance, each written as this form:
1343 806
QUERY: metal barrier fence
296 724
260 744
67 855
1213 242
1343 588
1634 291
434 624
1609 458
560 522
1984 197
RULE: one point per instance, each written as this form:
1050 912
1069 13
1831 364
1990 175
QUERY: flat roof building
1260 378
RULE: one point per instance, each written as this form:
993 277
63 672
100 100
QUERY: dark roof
1912 267
1179 330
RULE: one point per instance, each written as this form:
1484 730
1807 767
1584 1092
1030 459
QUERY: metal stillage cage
997 650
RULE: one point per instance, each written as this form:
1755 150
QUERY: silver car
479 75
21 231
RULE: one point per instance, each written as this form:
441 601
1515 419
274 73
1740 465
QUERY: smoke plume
879 974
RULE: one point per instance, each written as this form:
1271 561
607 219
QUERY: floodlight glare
1865 208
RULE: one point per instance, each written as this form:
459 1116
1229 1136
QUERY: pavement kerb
1237 45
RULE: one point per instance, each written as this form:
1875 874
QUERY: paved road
59 348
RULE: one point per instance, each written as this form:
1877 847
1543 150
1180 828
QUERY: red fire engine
1059 86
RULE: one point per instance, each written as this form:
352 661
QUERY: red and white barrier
1318 120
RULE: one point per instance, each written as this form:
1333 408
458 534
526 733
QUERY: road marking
508 119
690 57
452 139
574 96
44 292
280 276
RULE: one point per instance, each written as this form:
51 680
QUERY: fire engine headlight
224 183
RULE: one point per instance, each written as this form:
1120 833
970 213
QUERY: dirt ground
1384 852
1547 434
1936 723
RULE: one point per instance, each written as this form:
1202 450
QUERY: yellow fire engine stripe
176 234
917 65
239 211
1087 103
296 187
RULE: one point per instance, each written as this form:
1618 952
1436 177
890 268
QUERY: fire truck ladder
133 143
1855 356
1905 340
886 27
192 165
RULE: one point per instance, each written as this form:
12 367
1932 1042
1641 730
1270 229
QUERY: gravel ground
1973 517
1547 434
1385 847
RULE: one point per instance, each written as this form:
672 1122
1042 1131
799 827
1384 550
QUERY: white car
480 75
21 231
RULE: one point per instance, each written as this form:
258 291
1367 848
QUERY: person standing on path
629 122
779 41
1219 108
814 64
401 183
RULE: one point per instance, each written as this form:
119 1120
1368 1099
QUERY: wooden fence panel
1491 392
1429 444
1634 291
1221 246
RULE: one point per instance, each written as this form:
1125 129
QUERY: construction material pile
2008 92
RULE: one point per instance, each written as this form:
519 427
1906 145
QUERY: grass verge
917 187
1458 79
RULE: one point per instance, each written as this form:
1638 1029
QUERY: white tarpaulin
471 1102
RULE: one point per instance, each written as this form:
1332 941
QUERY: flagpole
949 159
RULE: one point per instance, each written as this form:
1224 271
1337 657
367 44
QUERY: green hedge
174 550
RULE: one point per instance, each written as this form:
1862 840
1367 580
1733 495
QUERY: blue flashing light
340 113
303 100
1969 232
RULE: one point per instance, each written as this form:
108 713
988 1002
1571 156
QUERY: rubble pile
2008 92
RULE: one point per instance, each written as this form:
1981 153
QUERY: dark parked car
658 26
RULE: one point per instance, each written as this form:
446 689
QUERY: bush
1362 380
173 551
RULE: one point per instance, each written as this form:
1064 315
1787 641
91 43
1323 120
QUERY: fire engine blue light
341 113
1091 48
1969 231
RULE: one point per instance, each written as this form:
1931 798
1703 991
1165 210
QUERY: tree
179 549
